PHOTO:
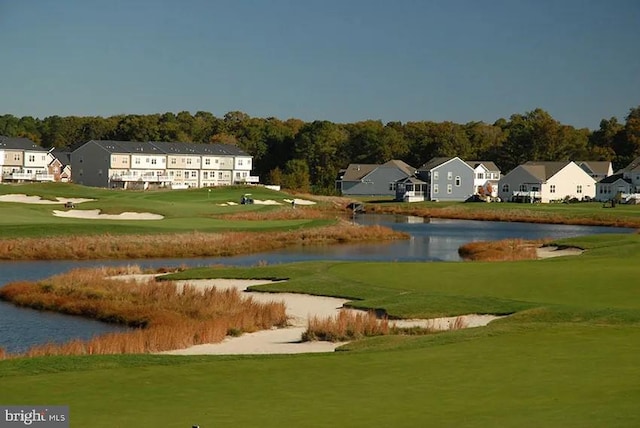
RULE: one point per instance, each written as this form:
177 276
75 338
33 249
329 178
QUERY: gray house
373 180
447 179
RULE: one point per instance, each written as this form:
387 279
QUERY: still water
434 240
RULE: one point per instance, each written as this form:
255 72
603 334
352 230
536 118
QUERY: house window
194 174
207 161
480 176
523 187
505 188
237 175
137 161
163 161
579 188
449 175
552 188
220 175
16 157
458 181
239 161
392 186
125 161
188 161
205 175
173 161
435 175
435 188
32 158
449 188
535 188
244 175
147 160
154 161
217 161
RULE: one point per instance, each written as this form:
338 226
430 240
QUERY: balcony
27 176
142 178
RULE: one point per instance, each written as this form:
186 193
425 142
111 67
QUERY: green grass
184 210
567 357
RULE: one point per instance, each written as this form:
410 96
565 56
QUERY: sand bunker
96 215
300 308
299 201
551 251
24 199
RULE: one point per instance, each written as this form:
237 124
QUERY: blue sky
344 61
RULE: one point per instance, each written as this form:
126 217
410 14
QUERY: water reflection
434 240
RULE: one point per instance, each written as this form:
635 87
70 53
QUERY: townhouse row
453 179
127 165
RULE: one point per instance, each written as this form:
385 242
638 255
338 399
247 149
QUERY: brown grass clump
287 213
345 326
503 250
164 317
194 244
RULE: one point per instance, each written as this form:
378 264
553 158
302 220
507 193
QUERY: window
163 161
137 162
392 186
205 175
435 188
579 188
194 174
458 181
449 188
239 161
435 175
154 161
449 175
552 188
523 187
32 158
220 175
147 160
173 161
480 176
217 160
237 175
505 188
207 161
125 161
244 175
16 157
535 188
189 161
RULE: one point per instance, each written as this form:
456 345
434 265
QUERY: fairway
567 356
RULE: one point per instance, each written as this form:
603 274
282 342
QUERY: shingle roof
490 165
19 143
544 170
634 165
401 165
164 147
596 167
356 172
434 163
613 178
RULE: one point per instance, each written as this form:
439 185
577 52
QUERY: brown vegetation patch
303 213
194 244
163 316
349 325
510 215
503 250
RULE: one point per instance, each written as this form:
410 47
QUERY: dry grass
163 316
185 244
504 250
279 214
510 215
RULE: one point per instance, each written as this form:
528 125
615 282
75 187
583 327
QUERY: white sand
24 199
547 252
96 215
266 202
300 307
300 201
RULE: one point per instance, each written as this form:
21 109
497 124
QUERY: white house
625 182
23 160
597 169
546 182
486 177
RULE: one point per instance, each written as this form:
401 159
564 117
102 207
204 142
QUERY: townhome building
447 179
22 160
624 184
127 165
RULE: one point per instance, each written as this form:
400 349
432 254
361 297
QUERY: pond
430 240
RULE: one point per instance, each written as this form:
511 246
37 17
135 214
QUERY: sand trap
24 199
551 251
299 201
266 202
300 307
95 215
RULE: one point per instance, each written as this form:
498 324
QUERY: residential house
486 177
125 164
373 180
625 182
22 160
597 169
59 165
546 182
447 179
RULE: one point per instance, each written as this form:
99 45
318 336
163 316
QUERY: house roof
543 170
596 167
19 143
633 166
411 179
401 165
434 162
356 171
164 147
489 165
613 178
63 156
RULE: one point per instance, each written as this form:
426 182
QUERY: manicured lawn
184 210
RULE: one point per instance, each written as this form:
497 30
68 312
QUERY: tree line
308 155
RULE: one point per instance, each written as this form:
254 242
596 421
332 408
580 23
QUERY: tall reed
162 315
503 250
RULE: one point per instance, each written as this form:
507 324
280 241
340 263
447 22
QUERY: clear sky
339 60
